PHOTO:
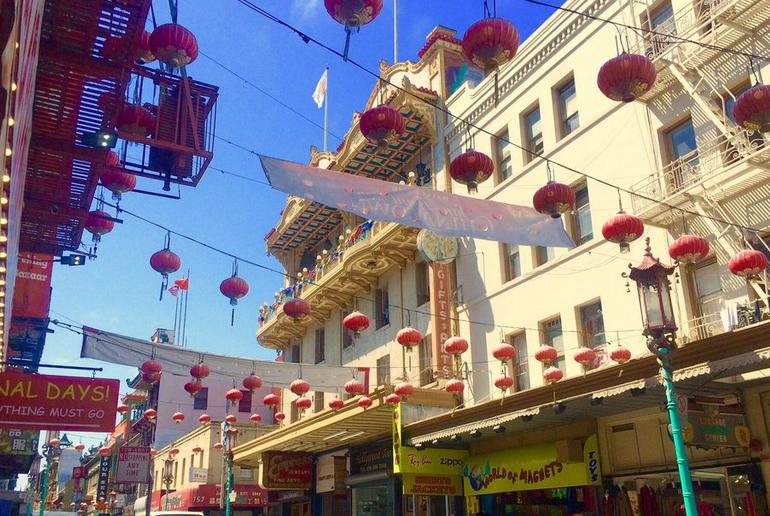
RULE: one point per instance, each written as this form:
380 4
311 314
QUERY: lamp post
651 278
51 452
168 477
228 437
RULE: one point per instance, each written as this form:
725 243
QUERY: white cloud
305 9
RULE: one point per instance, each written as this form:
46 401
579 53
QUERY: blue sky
118 291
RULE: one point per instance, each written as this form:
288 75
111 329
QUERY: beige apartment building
689 169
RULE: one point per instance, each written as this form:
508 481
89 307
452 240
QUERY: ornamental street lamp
168 477
229 433
51 452
651 278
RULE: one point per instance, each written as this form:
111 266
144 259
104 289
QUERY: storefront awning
207 496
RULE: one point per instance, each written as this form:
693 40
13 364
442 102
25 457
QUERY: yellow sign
431 461
530 467
432 485
472 504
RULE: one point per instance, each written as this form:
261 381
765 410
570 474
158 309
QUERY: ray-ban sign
44 402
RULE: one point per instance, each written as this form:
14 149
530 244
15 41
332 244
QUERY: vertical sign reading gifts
441 318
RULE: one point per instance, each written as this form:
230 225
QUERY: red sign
208 495
43 402
286 470
442 319
133 464
79 473
32 293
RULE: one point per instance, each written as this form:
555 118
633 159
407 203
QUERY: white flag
319 95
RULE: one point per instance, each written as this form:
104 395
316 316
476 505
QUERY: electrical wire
347 59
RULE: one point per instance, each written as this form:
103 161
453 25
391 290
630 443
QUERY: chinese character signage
207 496
133 464
104 478
371 460
532 467
18 442
286 470
43 402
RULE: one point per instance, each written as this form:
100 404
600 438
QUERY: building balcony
724 167
353 267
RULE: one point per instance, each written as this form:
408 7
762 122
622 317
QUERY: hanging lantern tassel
348 32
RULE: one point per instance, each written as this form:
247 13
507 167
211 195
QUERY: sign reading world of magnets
44 402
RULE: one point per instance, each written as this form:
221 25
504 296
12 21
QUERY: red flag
174 291
183 284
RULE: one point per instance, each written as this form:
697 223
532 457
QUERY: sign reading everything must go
44 402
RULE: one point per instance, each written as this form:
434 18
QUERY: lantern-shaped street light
168 477
651 278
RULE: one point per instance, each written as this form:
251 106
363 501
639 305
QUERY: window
551 334
503 156
660 23
382 308
568 112
348 336
592 325
423 283
520 371
245 404
294 354
512 261
318 401
201 400
580 224
200 458
533 134
543 255
320 345
184 468
708 288
383 370
683 154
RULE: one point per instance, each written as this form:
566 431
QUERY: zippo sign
44 402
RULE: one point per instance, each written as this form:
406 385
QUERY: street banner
45 402
32 292
441 212
440 304
104 478
133 464
286 470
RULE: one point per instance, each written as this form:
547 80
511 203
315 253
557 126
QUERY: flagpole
186 296
326 113
395 31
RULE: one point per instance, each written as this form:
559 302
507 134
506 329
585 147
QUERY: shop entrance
416 505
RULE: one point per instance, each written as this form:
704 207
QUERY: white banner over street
129 351
444 213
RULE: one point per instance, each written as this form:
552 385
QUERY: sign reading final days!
44 402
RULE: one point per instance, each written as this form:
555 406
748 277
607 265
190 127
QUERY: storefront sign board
199 475
104 478
432 485
32 293
286 470
208 496
133 464
440 301
432 461
371 460
717 430
530 467
330 472
44 402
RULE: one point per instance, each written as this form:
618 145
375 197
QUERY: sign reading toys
43 402
286 470
531 467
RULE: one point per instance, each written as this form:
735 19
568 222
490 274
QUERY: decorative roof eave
294 206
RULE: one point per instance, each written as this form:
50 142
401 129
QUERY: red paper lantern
231 419
356 322
546 354
404 389
151 366
204 419
554 199
355 387
165 262
299 387
113 160
142 52
193 388
105 451
54 443
756 446
197 450
393 399
80 447
752 109
150 414
455 346
490 43
748 263
620 355
689 249
504 352
365 402
382 125
151 377
553 374
98 223
353 14
234 288
218 446
200 371
255 418
173 45
279 416
135 120
471 168
623 229
233 395
408 337
117 181
336 404
504 383
271 400
454 386
114 48
585 356
252 382
122 408
296 308
178 417
626 77
303 403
